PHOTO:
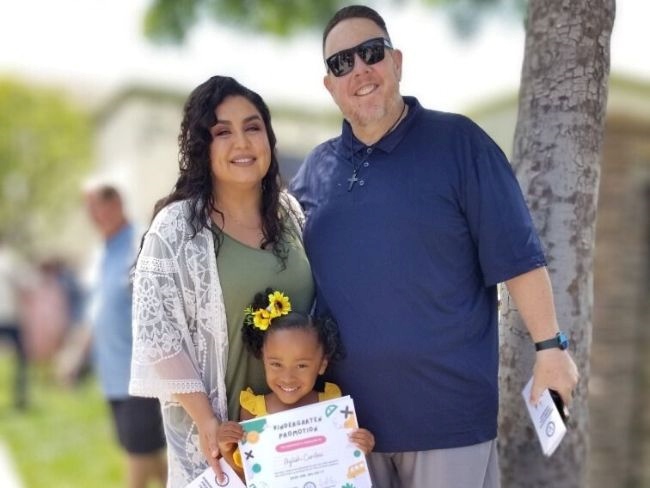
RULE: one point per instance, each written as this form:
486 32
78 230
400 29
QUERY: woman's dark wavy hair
326 329
194 182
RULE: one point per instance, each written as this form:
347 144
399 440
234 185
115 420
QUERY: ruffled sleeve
164 360
180 336
331 391
252 403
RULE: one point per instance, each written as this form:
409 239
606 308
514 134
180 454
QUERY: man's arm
554 368
72 357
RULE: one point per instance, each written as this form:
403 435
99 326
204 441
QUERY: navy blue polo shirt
407 261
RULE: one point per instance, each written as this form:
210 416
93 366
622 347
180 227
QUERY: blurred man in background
137 420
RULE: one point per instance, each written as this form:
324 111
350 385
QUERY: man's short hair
106 192
354 12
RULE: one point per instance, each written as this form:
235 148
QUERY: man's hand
554 369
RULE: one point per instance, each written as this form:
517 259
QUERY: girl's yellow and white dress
256 404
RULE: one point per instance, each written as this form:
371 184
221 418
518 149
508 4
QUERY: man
137 420
414 217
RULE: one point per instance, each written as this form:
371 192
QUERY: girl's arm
363 439
245 414
230 433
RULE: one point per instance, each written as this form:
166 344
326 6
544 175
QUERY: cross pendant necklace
353 179
355 167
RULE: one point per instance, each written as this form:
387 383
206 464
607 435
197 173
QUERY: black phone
561 407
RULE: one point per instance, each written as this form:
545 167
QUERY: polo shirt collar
390 140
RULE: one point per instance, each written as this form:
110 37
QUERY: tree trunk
557 160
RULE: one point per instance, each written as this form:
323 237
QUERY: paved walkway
7 472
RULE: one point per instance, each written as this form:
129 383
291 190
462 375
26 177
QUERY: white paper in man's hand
546 419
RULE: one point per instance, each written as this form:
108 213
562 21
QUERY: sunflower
261 318
278 304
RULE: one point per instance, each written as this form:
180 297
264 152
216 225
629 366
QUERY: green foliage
466 15
45 146
167 21
64 439
171 20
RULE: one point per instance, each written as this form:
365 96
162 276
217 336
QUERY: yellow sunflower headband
279 305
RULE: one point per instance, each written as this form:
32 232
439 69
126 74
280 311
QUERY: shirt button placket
365 164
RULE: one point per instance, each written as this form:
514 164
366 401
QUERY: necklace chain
355 167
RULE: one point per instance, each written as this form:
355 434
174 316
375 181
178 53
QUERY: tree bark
556 156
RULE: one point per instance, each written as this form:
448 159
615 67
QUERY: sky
97 47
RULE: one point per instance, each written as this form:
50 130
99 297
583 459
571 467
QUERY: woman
225 231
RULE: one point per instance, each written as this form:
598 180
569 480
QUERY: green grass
65 437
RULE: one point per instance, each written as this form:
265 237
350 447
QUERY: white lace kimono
180 337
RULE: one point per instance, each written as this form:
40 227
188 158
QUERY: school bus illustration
356 469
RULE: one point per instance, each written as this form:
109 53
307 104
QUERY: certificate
306 447
208 479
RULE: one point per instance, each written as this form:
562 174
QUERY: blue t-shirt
111 314
407 262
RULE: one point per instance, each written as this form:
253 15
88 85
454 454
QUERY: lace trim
164 388
156 265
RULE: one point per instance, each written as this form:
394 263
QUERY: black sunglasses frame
370 52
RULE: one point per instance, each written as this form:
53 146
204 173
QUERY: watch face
562 340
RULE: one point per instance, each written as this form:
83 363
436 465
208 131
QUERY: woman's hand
198 407
363 439
209 444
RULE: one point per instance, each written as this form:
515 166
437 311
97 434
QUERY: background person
46 314
414 217
225 232
109 333
14 278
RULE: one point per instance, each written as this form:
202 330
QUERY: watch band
561 341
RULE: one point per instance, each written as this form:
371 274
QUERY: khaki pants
474 466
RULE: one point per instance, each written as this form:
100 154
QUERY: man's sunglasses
371 51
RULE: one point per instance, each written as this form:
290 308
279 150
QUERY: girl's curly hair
326 329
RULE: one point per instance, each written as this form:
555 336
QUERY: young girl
295 349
